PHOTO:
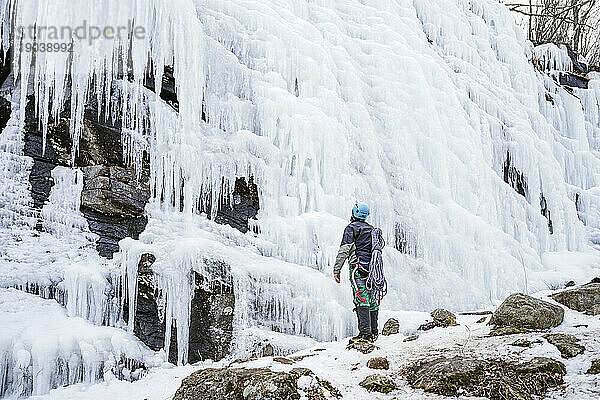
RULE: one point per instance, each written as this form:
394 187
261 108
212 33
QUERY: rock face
378 383
378 363
5 111
114 196
391 327
567 344
254 384
490 379
211 319
585 298
243 207
113 201
522 311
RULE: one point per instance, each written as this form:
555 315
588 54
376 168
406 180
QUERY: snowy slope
425 109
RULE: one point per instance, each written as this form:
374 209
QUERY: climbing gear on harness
361 211
376 283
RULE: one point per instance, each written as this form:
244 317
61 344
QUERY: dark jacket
355 247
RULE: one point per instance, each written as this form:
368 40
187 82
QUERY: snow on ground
346 369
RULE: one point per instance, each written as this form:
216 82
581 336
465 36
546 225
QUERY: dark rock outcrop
243 207
491 379
584 299
595 368
114 195
391 327
567 344
211 323
254 384
378 383
113 200
211 319
5 112
525 312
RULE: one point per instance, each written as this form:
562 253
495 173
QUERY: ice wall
41 348
431 111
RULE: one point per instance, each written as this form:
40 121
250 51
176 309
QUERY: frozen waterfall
481 170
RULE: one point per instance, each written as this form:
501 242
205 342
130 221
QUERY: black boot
364 325
374 324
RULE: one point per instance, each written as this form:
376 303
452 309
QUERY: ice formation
42 348
476 164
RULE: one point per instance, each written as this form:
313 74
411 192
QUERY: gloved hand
336 277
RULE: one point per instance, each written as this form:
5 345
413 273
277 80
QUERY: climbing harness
376 283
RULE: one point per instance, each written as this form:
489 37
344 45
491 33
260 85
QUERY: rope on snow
376 283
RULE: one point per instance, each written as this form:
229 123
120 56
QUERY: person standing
356 247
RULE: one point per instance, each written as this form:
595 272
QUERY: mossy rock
251 384
492 379
507 330
585 298
595 368
378 383
567 344
391 327
443 318
526 312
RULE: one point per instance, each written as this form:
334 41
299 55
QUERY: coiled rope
376 283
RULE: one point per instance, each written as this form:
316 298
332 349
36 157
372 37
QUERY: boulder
584 299
595 368
378 363
391 327
254 384
441 318
567 344
491 379
378 383
522 311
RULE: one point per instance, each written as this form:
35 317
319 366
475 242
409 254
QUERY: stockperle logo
83 32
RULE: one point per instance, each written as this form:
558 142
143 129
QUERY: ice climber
366 277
